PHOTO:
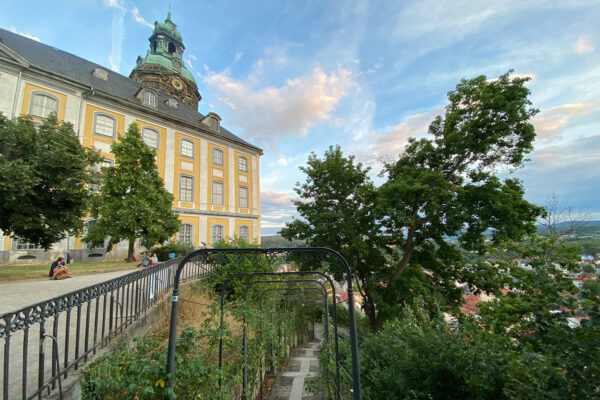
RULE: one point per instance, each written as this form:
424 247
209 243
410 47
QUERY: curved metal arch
270 253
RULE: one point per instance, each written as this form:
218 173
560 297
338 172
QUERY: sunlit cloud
287 110
139 19
27 35
376 147
551 123
276 209
114 4
583 46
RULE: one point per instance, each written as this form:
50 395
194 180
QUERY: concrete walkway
17 294
303 366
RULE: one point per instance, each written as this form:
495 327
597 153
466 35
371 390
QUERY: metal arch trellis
245 329
294 273
323 294
225 256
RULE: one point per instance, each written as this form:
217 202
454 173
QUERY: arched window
243 164
150 137
217 233
187 148
217 156
42 104
186 234
105 125
245 233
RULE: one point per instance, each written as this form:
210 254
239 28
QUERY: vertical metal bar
77 335
7 320
96 324
41 357
25 354
67 332
54 350
87 329
110 315
103 317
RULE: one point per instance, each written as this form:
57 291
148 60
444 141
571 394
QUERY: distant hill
275 241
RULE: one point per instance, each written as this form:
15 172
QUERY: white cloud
189 63
376 147
287 110
114 4
276 209
238 56
138 18
27 35
583 46
118 33
550 123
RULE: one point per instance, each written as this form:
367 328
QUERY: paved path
14 295
291 383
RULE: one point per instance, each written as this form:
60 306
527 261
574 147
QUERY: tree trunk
130 250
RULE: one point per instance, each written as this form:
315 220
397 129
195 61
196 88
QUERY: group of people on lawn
149 260
59 270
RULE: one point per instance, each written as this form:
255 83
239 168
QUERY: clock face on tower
177 84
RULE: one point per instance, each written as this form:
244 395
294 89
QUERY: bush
180 249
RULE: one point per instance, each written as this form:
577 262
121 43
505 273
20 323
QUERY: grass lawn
22 272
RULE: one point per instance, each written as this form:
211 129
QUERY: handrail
81 321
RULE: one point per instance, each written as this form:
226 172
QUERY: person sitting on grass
145 262
58 269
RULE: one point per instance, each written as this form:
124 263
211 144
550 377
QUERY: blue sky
297 76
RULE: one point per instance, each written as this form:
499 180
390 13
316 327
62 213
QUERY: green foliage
394 236
43 177
134 202
540 310
230 265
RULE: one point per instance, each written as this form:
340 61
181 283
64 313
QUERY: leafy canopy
133 202
446 184
44 171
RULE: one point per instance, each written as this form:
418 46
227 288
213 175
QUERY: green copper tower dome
164 60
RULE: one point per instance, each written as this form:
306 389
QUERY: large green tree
44 171
443 185
133 202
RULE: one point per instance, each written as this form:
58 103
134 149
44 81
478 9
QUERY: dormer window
149 99
100 74
171 48
213 121
172 103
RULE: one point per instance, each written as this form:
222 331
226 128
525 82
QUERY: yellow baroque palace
212 173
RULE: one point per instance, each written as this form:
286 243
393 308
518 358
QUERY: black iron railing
73 326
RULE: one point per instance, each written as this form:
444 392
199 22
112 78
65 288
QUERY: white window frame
189 152
186 237
246 235
218 156
149 98
246 203
217 233
104 163
220 200
148 129
38 94
23 244
97 116
187 190
242 164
